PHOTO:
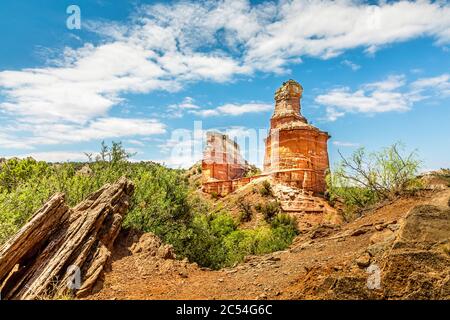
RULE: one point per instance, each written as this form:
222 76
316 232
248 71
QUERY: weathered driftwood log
62 250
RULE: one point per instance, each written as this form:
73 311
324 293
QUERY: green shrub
214 195
252 171
246 210
204 239
265 239
364 179
266 189
269 210
284 220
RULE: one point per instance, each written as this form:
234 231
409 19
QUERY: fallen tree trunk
61 250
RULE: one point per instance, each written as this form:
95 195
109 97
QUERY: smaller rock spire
287 103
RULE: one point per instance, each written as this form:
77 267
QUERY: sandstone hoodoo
295 151
222 159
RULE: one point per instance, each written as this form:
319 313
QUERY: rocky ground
404 244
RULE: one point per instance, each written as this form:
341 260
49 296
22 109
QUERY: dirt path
295 273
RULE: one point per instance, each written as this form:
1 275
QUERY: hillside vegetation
365 179
164 203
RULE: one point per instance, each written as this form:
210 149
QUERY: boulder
417 266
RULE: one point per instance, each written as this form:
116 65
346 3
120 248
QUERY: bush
266 189
246 210
269 210
204 241
252 171
284 220
363 179
265 239
214 195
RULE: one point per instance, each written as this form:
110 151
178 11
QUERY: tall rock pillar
296 152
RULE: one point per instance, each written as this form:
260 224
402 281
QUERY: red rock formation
222 159
296 152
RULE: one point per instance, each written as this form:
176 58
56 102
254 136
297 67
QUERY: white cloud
391 94
177 110
10 142
165 46
351 65
441 84
59 133
345 144
371 98
327 28
136 142
231 109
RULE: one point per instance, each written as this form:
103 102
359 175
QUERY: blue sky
146 73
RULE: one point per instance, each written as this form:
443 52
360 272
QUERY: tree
364 178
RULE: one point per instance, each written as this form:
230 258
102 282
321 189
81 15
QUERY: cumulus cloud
60 133
231 109
166 46
327 28
439 84
178 110
188 105
391 94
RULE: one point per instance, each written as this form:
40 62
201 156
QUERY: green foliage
284 220
15 171
264 239
266 189
246 210
269 210
25 185
364 179
252 171
214 195
163 203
